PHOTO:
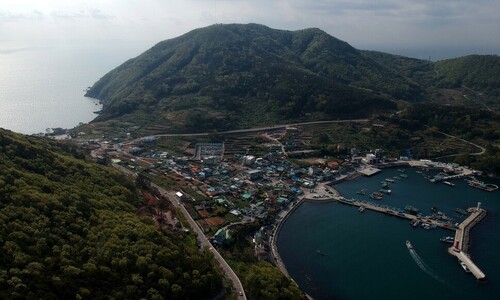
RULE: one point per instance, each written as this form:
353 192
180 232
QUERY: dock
392 212
462 232
461 245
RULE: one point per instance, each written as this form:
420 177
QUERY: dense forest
228 76
68 229
238 76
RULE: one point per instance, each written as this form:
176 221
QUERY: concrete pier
393 213
461 245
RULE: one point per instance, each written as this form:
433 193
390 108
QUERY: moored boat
482 186
464 266
390 180
447 239
449 183
403 175
461 211
361 209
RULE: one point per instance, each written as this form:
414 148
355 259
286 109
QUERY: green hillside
68 229
228 76
477 72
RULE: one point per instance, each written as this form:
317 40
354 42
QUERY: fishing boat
361 192
385 191
449 183
482 186
411 210
447 239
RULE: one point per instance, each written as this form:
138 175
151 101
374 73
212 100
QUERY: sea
42 86
365 255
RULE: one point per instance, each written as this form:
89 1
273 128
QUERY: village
222 186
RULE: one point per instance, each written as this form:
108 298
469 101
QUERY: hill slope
226 76
478 72
68 229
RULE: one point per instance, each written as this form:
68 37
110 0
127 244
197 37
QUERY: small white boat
464 266
408 245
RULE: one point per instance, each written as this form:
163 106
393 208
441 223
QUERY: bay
366 256
42 86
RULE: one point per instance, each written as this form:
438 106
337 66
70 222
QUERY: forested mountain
477 72
68 229
238 76
226 76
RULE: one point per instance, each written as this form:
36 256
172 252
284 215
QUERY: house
222 236
254 174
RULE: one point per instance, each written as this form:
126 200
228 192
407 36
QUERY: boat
361 192
464 266
320 252
414 223
418 172
426 225
461 211
449 183
408 245
401 170
385 184
385 191
411 210
403 175
434 209
482 186
396 177
361 209
390 180
376 196
447 239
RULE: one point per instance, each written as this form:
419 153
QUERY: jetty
462 232
393 212
461 245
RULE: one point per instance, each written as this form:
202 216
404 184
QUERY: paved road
228 272
481 152
257 129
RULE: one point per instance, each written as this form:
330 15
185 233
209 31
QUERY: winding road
228 272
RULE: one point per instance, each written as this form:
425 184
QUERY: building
248 160
254 174
204 150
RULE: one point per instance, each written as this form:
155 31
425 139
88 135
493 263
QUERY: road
256 129
228 272
481 152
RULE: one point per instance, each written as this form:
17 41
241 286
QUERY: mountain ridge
233 76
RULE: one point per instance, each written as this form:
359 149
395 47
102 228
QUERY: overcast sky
420 28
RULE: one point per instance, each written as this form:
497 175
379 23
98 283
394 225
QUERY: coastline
284 216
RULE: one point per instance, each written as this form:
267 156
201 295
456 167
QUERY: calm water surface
43 86
365 254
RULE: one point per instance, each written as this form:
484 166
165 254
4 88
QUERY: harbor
348 222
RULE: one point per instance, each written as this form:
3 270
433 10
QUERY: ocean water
366 256
42 86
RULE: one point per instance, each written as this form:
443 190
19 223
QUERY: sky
419 28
